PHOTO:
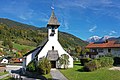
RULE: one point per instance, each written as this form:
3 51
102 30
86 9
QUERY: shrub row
83 61
31 66
98 63
43 66
106 61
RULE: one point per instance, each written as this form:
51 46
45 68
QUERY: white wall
114 51
53 41
4 61
28 59
58 47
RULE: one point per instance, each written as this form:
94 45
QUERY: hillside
33 36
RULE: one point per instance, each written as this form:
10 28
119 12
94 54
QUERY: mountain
12 23
101 39
33 36
94 39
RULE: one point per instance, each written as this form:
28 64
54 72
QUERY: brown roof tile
109 44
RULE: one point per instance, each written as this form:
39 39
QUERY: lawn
76 73
2 73
20 47
47 76
8 78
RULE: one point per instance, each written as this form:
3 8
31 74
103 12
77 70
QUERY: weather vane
52 7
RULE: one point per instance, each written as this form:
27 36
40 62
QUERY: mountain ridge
31 35
101 39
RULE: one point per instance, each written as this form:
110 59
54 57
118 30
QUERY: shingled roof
53 20
52 55
108 44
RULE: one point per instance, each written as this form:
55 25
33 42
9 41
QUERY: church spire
53 20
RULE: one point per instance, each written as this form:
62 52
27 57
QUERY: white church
51 48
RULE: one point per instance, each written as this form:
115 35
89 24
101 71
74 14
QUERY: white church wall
28 59
58 47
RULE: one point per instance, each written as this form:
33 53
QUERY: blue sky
82 18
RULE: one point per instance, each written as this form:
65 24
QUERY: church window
52 32
52 47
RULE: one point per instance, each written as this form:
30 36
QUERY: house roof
53 20
107 44
16 60
52 55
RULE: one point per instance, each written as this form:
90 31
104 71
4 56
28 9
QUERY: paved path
115 68
4 76
57 75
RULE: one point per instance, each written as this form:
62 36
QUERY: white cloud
22 17
112 32
92 29
64 24
84 3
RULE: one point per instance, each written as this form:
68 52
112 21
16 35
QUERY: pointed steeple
53 20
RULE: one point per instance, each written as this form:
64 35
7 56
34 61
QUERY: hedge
92 65
98 63
106 61
83 61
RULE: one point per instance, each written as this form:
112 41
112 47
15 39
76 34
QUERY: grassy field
20 47
48 77
2 73
8 78
76 73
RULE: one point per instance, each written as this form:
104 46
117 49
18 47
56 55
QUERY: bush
116 61
31 66
106 61
84 61
92 65
44 66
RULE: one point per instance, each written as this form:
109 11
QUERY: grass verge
3 73
76 73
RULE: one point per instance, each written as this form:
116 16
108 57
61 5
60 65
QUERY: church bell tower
52 26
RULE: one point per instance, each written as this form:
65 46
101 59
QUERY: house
49 48
5 61
16 60
103 48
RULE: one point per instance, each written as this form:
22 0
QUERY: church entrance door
53 64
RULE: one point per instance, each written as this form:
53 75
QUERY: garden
97 69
